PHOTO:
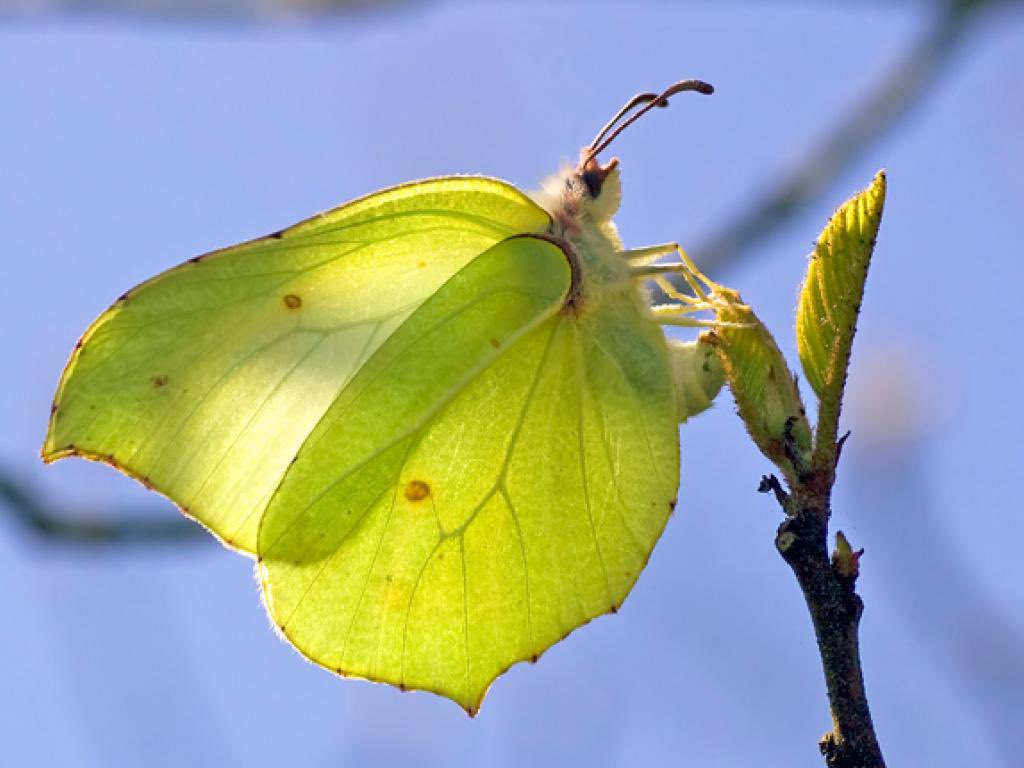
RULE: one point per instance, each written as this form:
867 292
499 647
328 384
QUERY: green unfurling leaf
826 317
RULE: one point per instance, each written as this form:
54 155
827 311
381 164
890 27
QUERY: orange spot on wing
416 490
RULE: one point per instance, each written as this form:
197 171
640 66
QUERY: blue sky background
127 146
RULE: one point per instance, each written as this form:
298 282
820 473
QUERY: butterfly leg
674 315
685 268
641 256
707 294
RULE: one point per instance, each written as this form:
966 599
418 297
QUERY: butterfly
443 418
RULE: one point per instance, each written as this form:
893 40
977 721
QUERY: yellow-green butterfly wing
205 381
442 417
494 477
444 455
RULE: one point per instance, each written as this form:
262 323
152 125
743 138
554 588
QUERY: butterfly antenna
649 101
629 106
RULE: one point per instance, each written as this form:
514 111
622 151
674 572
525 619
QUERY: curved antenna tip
649 101
689 85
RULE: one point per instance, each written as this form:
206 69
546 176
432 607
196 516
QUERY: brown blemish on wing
495 343
160 381
292 301
416 490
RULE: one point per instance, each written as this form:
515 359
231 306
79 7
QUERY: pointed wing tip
50 454
51 449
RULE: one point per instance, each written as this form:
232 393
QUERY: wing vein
327 560
465 604
199 403
633 399
428 415
255 414
376 551
526 568
265 500
580 377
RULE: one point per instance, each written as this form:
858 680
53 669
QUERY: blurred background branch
33 516
214 10
897 92
867 122
270 10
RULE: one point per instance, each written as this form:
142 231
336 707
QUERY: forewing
204 381
482 488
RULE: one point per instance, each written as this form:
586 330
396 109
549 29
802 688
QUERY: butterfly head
601 185
601 189
583 199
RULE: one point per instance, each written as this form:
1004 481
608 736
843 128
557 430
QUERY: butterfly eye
593 180
593 174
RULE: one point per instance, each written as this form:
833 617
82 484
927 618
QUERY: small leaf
826 318
764 387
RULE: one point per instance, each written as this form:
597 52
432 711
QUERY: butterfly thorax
581 202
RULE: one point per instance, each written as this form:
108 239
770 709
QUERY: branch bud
845 560
764 387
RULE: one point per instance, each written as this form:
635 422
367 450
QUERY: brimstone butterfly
442 417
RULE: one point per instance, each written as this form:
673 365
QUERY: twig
828 586
835 608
